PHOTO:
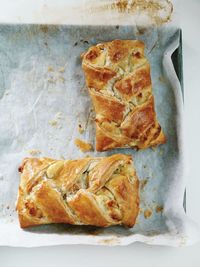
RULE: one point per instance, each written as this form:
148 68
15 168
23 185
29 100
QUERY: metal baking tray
31 60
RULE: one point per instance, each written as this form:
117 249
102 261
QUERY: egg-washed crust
119 82
90 191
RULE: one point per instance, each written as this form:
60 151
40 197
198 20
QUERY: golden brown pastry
119 82
89 191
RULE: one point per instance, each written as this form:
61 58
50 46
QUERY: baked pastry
89 191
119 82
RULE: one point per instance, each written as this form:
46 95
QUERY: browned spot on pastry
117 51
20 169
122 190
108 108
93 54
33 210
83 146
135 83
139 121
111 203
137 54
147 213
98 77
114 216
124 86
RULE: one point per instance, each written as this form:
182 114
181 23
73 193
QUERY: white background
136 254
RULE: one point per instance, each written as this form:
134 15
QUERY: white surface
138 255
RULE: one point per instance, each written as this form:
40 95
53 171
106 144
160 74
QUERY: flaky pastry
119 82
89 191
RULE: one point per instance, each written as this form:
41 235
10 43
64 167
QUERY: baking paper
43 100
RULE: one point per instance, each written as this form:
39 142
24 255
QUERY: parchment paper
43 99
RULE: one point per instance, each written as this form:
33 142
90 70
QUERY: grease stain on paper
158 12
110 241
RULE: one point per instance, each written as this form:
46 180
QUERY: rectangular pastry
119 82
89 191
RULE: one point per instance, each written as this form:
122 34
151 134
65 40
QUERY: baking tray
31 54
177 60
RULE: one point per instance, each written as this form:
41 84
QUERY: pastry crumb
58 115
62 79
143 182
147 213
50 68
56 121
53 123
161 152
83 146
110 241
161 79
34 152
51 80
159 209
80 129
61 69
141 210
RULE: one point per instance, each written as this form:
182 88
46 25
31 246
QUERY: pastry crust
119 82
89 191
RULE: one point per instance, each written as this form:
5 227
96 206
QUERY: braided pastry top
90 191
118 78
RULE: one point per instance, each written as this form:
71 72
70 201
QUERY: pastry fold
119 82
90 191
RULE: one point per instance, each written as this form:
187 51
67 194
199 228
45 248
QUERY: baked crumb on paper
80 129
83 146
147 213
159 209
56 121
34 152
